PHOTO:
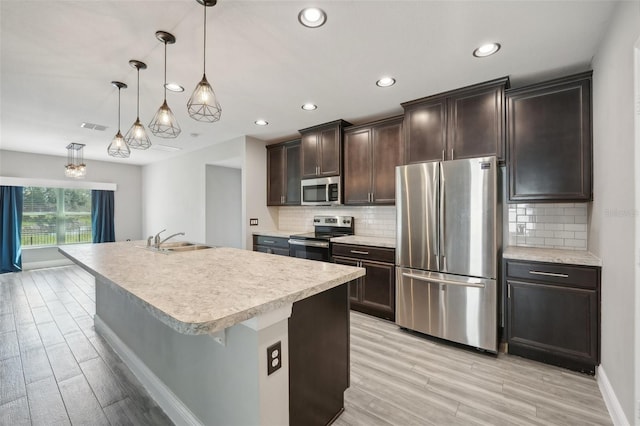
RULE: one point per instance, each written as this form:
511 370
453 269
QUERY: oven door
309 249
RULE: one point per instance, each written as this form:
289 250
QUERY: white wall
128 178
174 191
224 206
612 223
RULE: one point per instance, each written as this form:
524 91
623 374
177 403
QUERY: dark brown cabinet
549 141
375 293
321 149
371 153
273 245
553 313
283 174
463 123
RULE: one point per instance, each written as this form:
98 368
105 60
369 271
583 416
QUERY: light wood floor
54 369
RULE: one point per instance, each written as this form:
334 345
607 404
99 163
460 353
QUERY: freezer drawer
452 307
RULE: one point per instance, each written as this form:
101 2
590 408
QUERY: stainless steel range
315 245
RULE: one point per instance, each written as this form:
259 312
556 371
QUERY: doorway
223 206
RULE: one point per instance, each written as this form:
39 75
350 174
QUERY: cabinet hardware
549 274
452 153
359 252
445 282
508 291
268 242
372 199
443 155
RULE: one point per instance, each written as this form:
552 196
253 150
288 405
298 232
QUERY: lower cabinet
375 293
553 313
273 245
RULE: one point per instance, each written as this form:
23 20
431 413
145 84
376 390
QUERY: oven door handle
319 244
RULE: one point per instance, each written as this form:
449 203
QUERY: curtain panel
102 227
11 200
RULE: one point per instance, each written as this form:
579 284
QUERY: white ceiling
59 57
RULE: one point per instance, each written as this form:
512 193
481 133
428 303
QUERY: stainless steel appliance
448 242
315 245
323 191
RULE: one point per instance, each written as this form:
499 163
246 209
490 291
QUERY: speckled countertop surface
277 233
366 241
205 291
570 257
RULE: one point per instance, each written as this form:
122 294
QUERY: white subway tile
579 244
580 219
553 241
554 226
563 234
523 219
544 234
580 227
580 235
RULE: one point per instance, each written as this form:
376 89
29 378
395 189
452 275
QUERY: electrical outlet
520 227
253 222
274 358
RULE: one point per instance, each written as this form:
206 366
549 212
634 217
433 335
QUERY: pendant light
137 137
75 167
203 104
118 147
164 123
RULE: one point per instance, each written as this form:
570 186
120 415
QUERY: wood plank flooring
55 369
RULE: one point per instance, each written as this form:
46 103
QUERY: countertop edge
560 256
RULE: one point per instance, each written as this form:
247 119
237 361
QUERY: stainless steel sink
189 247
177 247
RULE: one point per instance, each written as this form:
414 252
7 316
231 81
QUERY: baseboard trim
611 401
46 264
162 395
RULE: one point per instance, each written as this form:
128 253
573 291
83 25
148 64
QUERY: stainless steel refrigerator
448 243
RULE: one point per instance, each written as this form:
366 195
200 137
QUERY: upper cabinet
549 141
283 174
321 149
463 123
371 153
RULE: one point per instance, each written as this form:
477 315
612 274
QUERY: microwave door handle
327 192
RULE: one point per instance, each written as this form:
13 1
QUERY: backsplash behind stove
372 221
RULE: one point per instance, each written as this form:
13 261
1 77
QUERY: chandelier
75 167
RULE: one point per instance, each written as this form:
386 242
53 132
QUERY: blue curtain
102 228
11 198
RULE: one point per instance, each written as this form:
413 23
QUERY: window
55 216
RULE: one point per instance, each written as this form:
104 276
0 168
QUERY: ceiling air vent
92 126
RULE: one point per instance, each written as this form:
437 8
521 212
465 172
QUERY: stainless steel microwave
321 191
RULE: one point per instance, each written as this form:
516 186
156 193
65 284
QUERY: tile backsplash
562 226
373 221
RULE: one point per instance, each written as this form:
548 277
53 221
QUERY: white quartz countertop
204 291
570 257
366 241
277 233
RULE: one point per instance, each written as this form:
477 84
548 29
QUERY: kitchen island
196 328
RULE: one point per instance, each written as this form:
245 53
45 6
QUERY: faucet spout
169 237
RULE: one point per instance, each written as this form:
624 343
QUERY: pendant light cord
204 48
138 96
165 71
119 109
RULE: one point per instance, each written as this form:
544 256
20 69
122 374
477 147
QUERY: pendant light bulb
118 147
203 104
137 137
164 123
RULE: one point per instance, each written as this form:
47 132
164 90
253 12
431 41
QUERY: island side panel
319 357
218 384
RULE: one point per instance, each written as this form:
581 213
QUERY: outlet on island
274 358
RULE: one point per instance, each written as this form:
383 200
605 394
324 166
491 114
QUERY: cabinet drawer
552 273
263 240
378 254
272 250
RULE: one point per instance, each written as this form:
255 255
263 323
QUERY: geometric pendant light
203 104
164 123
137 137
118 147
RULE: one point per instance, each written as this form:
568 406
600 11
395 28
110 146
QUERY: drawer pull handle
445 282
269 241
359 252
549 274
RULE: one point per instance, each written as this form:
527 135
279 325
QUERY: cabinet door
292 184
275 176
329 151
379 289
553 323
476 123
309 154
425 129
387 154
549 139
354 286
357 167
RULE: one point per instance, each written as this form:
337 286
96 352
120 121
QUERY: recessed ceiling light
312 17
309 107
486 50
174 87
261 122
386 82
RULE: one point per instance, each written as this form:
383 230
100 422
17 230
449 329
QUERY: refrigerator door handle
442 267
445 282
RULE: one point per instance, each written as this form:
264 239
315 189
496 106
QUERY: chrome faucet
158 242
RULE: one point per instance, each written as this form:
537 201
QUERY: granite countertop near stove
569 257
366 241
204 291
